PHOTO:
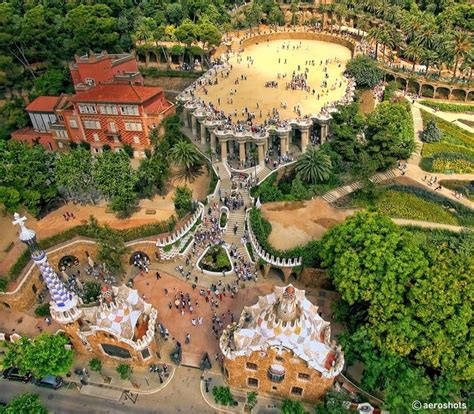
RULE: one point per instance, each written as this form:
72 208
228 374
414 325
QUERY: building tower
64 304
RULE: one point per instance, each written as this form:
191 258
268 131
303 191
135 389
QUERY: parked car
13 374
51 381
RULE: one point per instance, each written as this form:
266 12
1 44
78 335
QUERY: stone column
261 154
186 117
203 133
304 138
194 126
231 148
223 150
213 141
284 143
324 132
242 152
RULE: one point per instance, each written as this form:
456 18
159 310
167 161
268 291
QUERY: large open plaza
257 207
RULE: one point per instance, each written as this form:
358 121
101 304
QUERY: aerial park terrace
269 95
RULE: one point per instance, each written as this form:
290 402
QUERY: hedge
85 230
448 162
447 107
169 73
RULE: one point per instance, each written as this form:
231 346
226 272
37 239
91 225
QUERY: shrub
450 162
3 284
431 133
447 107
158 73
95 364
128 150
183 202
292 407
91 292
390 90
222 395
43 310
223 219
465 187
124 371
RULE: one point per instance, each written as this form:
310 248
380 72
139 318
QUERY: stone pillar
242 152
261 154
304 139
324 133
265 145
194 126
186 117
223 150
231 148
203 133
284 143
213 141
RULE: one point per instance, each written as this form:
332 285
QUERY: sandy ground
266 68
296 223
54 222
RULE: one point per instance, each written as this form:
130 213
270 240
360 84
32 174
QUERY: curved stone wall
323 37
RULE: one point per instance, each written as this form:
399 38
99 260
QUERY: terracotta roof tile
43 104
118 94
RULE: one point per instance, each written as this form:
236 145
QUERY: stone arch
403 82
296 138
470 96
153 58
442 92
67 261
141 57
427 90
277 272
458 94
139 256
413 86
5 305
389 77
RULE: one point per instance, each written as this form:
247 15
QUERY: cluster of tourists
141 262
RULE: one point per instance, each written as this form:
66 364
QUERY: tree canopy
365 71
25 404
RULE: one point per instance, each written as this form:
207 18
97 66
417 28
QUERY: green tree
91 291
53 82
12 116
91 27
95 364
74 173
461 44
114 176
43 355
253 14
125 371
187 157
276 17
223 395
183 201
292 407
252 399
25 404
365 71
314 166
111 249
389 134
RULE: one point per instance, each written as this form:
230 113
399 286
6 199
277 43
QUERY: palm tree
187 157
294 8
375 35
314 166
413 52
467 64
461 43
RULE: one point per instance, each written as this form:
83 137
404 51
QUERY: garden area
452 151
448 107
412 203
216 259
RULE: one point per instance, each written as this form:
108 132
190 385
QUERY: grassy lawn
413 203
448 107
453 154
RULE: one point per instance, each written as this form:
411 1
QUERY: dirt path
429 225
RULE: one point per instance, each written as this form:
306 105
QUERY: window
136 139
276 373
129 110
96 137
108 109
297 391
116 139
303 376
279 358
252 382
90 82
251 365
61 134
60 145
50 146
116 351
60 117
112 127
91 124
87 109
145 353
133 126
73 123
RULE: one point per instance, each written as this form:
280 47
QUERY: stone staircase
263 173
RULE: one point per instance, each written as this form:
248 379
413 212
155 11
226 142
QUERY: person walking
187 339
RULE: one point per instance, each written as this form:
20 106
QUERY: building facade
120 327
281 346
111 108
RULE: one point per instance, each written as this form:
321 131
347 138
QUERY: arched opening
152 57
276 273
459 95
442 93
68 261
5 305
427 91
140 260
403 83
413 87
389 77
295 139
470 96
141 57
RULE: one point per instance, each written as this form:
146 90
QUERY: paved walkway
452 117
430 225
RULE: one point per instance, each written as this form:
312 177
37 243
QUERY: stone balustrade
271 259
177 234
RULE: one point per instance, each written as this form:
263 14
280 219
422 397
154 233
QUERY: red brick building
111 107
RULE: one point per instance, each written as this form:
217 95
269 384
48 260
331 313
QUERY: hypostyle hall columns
242 156
203 133
304 138
261 154
223 149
